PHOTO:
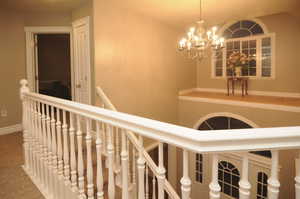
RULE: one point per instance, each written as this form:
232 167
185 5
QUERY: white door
82 60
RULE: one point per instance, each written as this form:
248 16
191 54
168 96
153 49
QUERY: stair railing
51 125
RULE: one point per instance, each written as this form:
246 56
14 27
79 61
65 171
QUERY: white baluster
30 137
147 183
244 184
273 182
134 188
214 185
73 153
54 152
80 160
185 180
100 193
297 178
49 149
161 172
89 166
153 187
141 171
110 153
117 159
24 89
45 152
124 157
66 150
59 145
35 125
104 139
40 143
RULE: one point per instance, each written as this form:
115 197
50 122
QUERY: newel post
23 90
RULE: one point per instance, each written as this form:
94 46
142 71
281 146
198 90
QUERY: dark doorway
54 65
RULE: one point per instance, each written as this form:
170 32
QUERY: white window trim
258 67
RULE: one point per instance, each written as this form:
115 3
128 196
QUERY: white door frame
85 21
30 31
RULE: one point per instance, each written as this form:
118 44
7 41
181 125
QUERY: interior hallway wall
12 56
136 62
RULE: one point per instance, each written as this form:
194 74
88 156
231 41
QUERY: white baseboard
250 92
10 129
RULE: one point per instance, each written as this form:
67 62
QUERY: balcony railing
64 160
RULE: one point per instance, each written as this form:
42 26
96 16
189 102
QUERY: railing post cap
24 88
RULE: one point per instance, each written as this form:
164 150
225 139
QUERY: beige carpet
14 183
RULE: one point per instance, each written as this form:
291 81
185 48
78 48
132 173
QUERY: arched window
199 168
262 185
228 178
250 38
244 28
223 122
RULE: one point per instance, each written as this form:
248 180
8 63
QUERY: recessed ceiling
42 5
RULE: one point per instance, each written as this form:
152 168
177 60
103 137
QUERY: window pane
241 33
235 192
227 189
266 42
247 24
257 30
235 26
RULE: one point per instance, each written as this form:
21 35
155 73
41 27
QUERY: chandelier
199 39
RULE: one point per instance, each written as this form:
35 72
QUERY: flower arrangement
237 61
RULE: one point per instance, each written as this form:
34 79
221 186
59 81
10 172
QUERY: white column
185 180
100 193
214 185
161 172
273 182
124 158
244 184
66 150
80 160
134 162
141 171
73 153
110 153
89 165
297 178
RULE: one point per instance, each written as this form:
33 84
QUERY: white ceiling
42 5
180 13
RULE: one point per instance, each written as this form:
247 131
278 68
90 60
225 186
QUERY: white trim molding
242 104
11 129
30 31
250 92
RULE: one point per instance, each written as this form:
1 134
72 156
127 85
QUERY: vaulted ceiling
183 12
42 5
178 13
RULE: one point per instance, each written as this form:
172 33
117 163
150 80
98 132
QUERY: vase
238 71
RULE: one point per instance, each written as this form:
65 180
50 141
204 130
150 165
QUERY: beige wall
136 63
12 68
287 29
12 55
191 112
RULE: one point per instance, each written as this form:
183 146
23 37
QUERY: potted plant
236 62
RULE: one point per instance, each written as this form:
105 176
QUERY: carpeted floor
14 183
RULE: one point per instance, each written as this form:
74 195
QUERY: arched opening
221 121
